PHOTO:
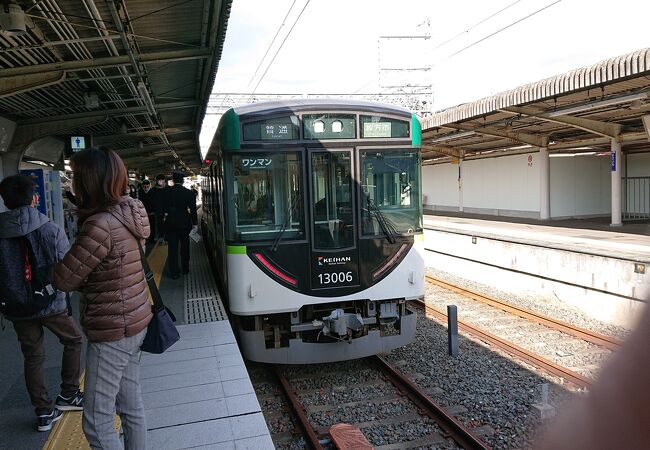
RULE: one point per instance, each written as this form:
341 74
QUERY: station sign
77 143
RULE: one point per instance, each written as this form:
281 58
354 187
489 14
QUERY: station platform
600 269
197 394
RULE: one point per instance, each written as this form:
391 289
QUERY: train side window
332 213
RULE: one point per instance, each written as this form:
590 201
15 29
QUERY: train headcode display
276 131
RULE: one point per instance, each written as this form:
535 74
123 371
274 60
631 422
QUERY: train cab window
265 188
384 127
329 126
332 208
390 192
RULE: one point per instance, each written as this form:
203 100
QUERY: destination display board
276 129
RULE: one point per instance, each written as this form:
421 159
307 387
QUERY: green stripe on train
229 132
236 250
416 132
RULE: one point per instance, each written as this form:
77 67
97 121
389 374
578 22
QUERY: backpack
27 288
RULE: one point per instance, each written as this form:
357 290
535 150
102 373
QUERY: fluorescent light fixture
569 155
599 104
146 98
449 137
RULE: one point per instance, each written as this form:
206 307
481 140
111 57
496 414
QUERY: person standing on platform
104 264
157 202
179 219
146 197
29 242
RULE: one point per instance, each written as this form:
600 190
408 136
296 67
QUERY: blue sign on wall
613 161
38 176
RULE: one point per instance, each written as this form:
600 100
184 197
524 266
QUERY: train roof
300 105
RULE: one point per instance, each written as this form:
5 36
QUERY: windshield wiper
285 224
385 224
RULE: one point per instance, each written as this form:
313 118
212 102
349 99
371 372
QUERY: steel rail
463 437
581 333
512 349
298 410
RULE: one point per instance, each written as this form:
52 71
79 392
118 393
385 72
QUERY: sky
477 48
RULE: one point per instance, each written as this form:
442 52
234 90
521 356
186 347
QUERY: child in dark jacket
20 224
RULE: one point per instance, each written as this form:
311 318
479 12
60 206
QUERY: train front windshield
390 197
265 196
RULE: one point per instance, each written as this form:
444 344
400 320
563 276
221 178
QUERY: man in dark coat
179 218
156 203
146 196
49 244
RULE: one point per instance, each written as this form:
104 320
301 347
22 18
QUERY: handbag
161 331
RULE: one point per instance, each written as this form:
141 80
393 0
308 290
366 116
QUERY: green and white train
313 221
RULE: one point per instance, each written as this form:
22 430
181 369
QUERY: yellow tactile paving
67 433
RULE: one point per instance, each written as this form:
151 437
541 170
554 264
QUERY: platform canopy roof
578 111
134 74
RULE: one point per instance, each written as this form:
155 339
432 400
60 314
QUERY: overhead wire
501 29
477 24
279 48
271 44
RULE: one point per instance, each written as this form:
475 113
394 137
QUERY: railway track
400 416
506 344
581 333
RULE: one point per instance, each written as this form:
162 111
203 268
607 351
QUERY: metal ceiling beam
135 152
599 141
24 83
111 61
606 129
112 112
135 136
442 149
28 133
524 138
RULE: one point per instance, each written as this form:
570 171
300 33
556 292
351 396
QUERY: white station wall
580 185
638 165
440 187
507 185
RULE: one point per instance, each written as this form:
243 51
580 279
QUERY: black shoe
45 422
73 403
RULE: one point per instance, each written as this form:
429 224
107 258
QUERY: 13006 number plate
328 278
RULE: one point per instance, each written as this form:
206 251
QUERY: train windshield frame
264 190
332 199
390 191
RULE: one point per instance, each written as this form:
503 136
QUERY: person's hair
177 177
99 180
17 191
146 182
160 176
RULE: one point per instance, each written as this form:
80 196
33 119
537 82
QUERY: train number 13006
335 277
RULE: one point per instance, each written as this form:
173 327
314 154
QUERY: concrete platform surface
198 394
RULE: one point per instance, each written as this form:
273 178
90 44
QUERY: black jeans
173 238
30 334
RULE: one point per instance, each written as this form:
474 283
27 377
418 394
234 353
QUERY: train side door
335 260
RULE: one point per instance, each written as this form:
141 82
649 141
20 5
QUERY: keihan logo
333 260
